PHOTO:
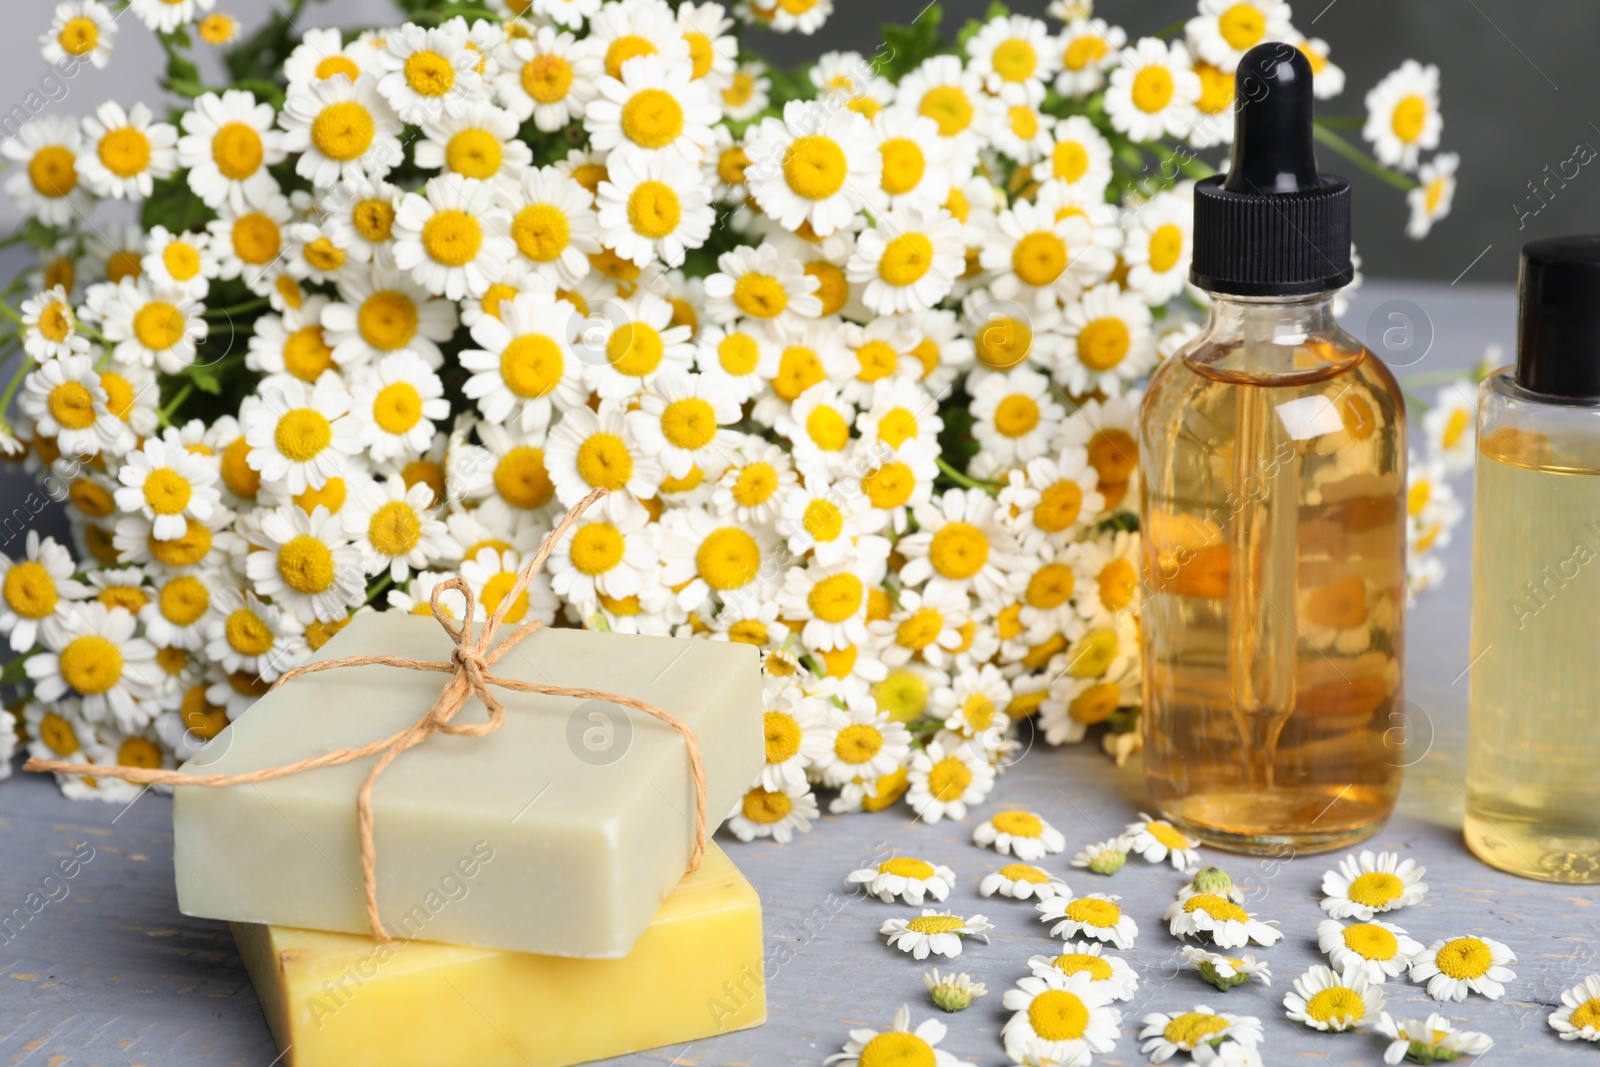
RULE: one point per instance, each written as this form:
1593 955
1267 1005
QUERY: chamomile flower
1051 497
934 932
943 89
526 368
953 992
796 727
166 16
38 594
1021 131
321 54
46 186
451 237
175 616
702 555
68 402
1436 190
654 106
1578 1018
901 1044
492 574
590 451
302 434
246 636
553 225
1381 949
1225 972
1366 885
1403 115
417 598
611 552
947 782
1019 833
95 656
867 744
909 259
917 162
153 327
1431 1040
227 146
1159 247
182 261
747 93
1060 1018
358 217
1165 1035
758 477
1225 30
1014 56
341 130
79 30
1451 426
50 327
1094 915
1108 340
1038 258
813 167
251 245
167 484
1464 965
1103 857
394 527
307 567
906 877
427 73
1152 92
547 76
398 400
760 283
960 544
1014 419
653 207
799 16
126 152
1088 48
1113 974
1327 77
479 142
1023 881
1156 840
1227 924
1329 1001
774 813
642 343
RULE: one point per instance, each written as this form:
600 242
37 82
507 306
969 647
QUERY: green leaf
265 91
16 672
39 235
205 378
172 205
905 47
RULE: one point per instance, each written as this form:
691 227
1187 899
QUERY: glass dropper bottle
1273 453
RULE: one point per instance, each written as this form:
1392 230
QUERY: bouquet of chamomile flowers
856 350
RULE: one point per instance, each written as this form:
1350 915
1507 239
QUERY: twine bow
468 668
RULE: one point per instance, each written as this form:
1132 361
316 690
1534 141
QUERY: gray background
1518 93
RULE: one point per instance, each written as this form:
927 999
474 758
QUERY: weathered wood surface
113 975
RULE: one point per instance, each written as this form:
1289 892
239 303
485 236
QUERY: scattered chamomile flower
1365 885
1156 839
938 932
1382 949
1225 972
1165 1035
953 992
868 1048
774 813
1213 880
1578 1018
1060 1018
947 782
1324 1000
1022 881
1088 957
1430 201
1103 857
1228 925
1096 915
1431 1040
1019 833
1228 1054
1464 965
905 877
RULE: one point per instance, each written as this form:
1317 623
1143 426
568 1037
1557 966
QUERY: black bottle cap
1273 225
1558 317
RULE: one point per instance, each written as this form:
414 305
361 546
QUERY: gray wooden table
114 975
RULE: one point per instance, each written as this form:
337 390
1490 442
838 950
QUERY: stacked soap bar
587 807
345 1000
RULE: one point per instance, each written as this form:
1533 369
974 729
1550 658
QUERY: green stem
966 480
16 238
238 309
11 313
379 586
1341 122
1361 159
175 402
16 379
1172 30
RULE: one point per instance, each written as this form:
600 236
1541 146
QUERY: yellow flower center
1018 823
906 259
306 353
1587 1014
302 434
343 131
1409 116
783 736
496 589
79 36
183 600
890 486
1371 941
654 209
184 551
1016 415
397 407
903 165
728 558
760 806
1455 428
547 78
256 238
29 589
958 550
836 598
130 597
181 260
452 237
306 565
332 65
623 49
330 496
1216 907
635 349
1090 48
1376 889
474 153
215 29
532 365
1050 586
387 320
53 171
1464 957
1152 89
1015 60
652 118
72 405
395 528
125 151
1193 1027
760 296
236 150
158 325
906 867
200 717
858 743
1216 88
597 548
1095 704
1166 246
1338 1005
799 368
55 321
829 432
166 491
755 485
1103 343
1024 122
936 924
521 478
948 779
91 498
1057 1015
815 167
541 232
429 74
1242 26
604 461
91 664
373 220
58 734
949 107
1003 342
689 423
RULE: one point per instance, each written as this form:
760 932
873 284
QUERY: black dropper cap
1273 225
1558 317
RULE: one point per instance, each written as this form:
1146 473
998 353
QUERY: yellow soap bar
345 1000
